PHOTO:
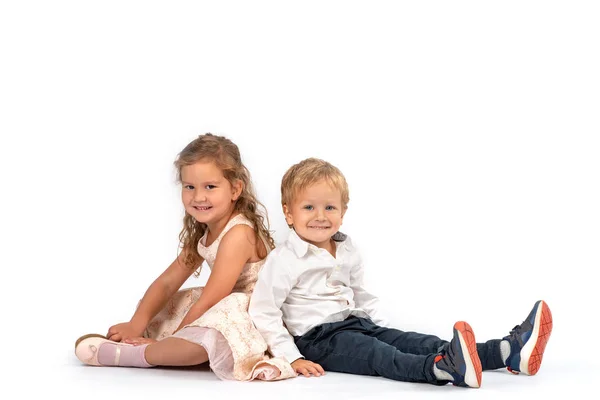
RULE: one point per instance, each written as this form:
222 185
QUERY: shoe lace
516 330
446 356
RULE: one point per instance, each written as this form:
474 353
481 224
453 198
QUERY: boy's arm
363 299
272 288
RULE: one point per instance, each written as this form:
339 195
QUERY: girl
173 327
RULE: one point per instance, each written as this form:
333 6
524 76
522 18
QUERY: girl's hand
307 368
124 330
136 341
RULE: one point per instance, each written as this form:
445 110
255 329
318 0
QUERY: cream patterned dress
236 350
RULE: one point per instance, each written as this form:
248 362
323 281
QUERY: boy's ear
237 189
344 212
288 215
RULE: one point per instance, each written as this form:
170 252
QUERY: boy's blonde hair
309 172
226 155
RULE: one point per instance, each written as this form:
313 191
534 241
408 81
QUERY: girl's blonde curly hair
226 155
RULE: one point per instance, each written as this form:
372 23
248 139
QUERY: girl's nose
199 196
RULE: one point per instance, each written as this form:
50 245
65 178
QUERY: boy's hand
306 368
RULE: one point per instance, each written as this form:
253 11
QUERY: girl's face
316 214
206 194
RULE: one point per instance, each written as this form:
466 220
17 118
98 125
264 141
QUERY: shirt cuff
289 351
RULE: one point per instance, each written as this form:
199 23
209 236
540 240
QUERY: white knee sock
504 350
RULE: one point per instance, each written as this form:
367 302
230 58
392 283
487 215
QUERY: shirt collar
301 247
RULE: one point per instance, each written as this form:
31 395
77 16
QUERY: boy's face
316 213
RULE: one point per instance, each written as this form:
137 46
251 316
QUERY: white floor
70 379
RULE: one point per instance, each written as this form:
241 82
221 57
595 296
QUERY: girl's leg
174 351
97 350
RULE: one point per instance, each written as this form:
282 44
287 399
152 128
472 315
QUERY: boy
311 307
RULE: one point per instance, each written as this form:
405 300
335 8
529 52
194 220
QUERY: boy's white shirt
303 286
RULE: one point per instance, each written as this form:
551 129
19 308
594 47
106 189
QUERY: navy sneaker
460 358
528 340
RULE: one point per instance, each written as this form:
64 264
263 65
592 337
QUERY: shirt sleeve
362 298
272 288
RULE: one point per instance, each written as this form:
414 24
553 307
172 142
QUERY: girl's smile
206 194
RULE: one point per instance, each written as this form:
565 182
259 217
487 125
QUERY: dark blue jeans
358 346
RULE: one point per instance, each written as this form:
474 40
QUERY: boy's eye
330 208
189 187
309 208
209 187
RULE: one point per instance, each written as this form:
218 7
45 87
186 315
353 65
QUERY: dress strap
239 219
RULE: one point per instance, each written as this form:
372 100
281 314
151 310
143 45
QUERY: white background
468 132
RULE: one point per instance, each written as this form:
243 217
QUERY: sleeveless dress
236 350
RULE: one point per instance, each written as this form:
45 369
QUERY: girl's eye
330 208
209 187
189 187
309 208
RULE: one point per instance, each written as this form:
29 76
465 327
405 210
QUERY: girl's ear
237 189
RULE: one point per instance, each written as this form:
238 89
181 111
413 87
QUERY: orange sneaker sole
544 323
468 340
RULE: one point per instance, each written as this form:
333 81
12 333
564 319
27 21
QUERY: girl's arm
236 248
154 299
